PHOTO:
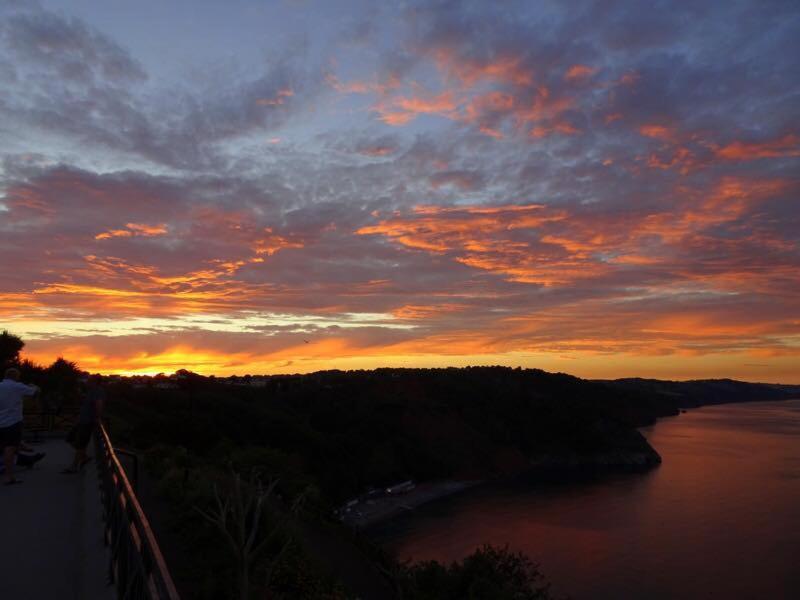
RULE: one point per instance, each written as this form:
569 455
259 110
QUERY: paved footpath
51 532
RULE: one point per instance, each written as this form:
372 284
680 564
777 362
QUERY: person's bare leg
8 460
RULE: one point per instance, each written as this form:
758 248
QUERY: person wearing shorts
12 394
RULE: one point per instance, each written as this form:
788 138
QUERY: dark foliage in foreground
207 569
490 573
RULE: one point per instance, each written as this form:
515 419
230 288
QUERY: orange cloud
562 128
362 87
679 151
395 118
577 72
488 109
465 180
788 145
377 151
271 243
133 229
463 95
422 311
680 157
479 238
491 132
558 248
543 107
675 151
114 286
491 102
278 99
504 69
659 132
401 110
443 103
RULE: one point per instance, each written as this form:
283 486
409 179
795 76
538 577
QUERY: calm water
720 518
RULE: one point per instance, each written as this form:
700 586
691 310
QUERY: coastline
546 466
385 508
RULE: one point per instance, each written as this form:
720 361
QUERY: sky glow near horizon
604 189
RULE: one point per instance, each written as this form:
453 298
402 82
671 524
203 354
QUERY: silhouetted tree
237 515
62 382
490 573
32 373
10 347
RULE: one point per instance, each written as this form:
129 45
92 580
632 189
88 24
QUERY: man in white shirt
12 394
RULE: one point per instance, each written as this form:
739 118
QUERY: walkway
52 532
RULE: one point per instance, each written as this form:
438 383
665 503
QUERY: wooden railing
137 567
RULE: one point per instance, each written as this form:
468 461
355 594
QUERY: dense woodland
347 431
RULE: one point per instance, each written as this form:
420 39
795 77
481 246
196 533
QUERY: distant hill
699 392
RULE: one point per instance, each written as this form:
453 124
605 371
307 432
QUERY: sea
719 518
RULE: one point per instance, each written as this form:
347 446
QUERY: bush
490 573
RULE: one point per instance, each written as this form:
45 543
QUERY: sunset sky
603 188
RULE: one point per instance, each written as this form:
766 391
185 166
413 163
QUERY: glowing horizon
588 367
288 187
